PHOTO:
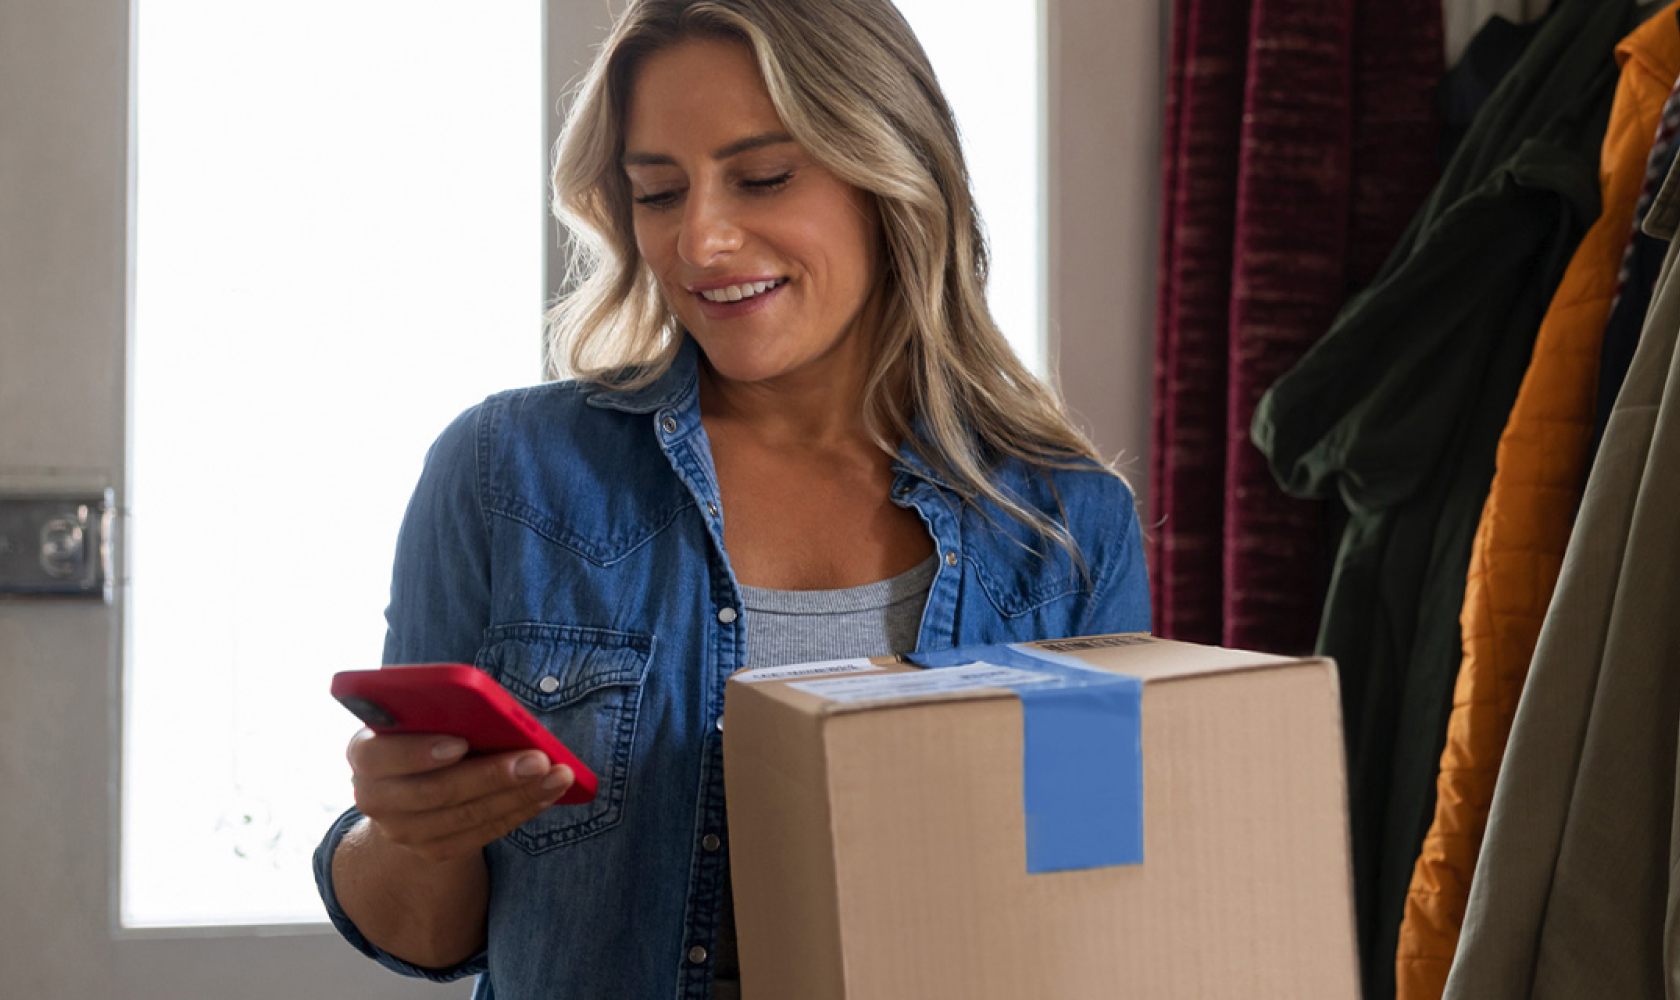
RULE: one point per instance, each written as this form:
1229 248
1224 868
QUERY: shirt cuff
346 927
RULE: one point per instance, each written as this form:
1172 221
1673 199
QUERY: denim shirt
569 540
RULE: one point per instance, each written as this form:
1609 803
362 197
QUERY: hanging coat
1268 218
1525 523
1472 79
1397 412
1640 268
1463 20
1575 890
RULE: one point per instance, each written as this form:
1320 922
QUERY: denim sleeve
342 922
1120 602
440 599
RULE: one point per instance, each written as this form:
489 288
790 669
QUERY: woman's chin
738 360
745 355
747 372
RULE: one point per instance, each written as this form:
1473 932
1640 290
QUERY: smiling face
767 258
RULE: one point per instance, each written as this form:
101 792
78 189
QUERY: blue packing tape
1083 768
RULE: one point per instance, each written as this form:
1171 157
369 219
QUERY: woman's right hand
422 793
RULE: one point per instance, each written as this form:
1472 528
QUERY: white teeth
735 293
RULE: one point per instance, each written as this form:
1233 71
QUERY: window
988 56
338 248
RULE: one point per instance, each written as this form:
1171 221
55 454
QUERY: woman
797 435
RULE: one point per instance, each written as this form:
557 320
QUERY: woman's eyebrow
736 148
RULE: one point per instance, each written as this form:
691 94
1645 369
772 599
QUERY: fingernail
562 776
530 765
445 749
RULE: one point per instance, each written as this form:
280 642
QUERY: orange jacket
1526 521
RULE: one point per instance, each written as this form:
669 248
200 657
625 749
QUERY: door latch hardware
56 545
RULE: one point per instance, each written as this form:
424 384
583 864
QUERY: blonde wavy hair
854 88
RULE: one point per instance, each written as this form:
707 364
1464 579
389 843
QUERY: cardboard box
880 846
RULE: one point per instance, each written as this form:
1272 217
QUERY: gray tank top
797 626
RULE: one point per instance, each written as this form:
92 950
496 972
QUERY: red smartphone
456 700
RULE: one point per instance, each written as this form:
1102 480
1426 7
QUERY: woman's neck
805 408
821 404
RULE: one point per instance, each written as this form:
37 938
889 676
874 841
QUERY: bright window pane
338 248
986 54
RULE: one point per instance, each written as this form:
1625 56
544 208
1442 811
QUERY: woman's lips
731 310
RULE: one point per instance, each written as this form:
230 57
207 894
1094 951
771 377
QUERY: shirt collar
679 382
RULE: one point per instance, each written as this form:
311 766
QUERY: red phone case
457 700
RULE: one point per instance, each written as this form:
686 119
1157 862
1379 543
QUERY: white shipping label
820 668
922 683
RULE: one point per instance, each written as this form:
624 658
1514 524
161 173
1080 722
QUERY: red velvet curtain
1301 136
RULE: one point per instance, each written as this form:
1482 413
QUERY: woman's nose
708 230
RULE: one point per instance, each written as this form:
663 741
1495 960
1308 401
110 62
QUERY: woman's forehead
704 92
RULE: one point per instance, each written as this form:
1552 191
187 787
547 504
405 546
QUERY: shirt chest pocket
585 686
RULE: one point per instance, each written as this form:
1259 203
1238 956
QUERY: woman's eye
768 183
662 199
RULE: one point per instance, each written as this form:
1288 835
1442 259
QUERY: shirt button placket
711 841
697 954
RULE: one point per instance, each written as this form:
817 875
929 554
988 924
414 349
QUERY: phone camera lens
368 712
